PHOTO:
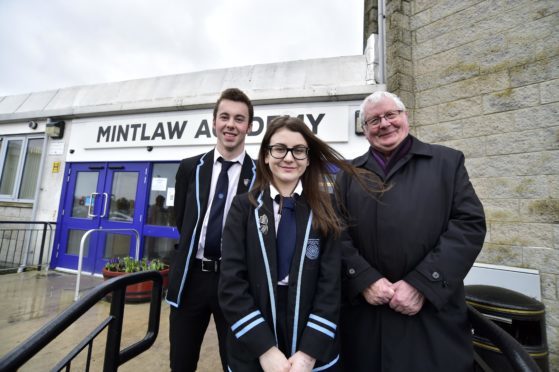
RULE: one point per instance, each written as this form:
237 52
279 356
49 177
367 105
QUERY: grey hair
376 97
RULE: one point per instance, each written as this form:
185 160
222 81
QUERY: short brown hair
237 95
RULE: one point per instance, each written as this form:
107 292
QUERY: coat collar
266 224
367 161
248 175
206 163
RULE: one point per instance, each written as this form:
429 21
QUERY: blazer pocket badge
263 224
245 181
313 249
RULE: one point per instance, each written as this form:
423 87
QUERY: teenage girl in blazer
284 324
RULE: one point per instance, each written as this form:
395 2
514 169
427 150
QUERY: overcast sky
50 44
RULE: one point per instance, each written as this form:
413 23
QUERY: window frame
14 196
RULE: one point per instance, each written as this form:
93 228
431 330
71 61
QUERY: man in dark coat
194 272
407 251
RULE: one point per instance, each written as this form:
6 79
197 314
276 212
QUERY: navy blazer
192 190
248 285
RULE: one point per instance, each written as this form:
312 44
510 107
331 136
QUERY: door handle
96 168
92 203
117 167
105 205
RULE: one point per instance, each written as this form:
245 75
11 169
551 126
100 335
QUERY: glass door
109 199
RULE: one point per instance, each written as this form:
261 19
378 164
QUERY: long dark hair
318 176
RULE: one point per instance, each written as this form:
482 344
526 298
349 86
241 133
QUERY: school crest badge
313 249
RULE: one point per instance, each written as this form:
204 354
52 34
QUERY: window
160 210
20 162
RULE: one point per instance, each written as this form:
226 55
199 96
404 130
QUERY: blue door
106 197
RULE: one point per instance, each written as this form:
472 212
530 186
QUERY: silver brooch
263 224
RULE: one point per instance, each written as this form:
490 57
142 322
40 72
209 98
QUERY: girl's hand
301 362
273 360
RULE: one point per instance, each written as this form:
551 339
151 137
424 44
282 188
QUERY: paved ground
30 299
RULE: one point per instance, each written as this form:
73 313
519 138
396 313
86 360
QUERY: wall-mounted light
32 125
55 129
358 127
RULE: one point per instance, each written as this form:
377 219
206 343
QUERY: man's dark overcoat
426 229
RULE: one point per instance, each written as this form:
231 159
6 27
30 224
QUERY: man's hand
273 360
379 293
406 300
301 362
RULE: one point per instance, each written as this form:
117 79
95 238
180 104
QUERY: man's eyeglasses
390 115
280 151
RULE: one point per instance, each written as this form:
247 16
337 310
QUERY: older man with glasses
407 251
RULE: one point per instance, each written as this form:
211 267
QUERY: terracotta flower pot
139 292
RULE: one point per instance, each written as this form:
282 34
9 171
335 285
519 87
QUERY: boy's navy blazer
192 189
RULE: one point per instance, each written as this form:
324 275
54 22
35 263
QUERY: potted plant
138 292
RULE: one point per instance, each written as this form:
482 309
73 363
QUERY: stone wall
483 77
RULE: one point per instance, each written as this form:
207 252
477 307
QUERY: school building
481 76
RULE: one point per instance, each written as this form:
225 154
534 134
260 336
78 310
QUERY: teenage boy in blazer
193 278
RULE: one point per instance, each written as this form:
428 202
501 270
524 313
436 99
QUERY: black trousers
188 323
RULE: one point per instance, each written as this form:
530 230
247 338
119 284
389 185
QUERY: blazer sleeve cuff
255 335
318 338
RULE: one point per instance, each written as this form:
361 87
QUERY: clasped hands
274 360
400 296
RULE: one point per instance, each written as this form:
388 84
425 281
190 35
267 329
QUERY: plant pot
139 292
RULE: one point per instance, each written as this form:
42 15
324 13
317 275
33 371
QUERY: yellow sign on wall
55 167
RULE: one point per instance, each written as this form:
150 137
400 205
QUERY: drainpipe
375 50
381 19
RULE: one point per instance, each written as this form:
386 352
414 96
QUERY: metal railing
515 354
25 244
82 245
114 357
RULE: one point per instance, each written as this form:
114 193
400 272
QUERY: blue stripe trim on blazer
253 173
299 276
323 321
245 319
321 329
249 327
326 366
193 238
266 265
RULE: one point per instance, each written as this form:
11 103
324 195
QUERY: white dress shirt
233 173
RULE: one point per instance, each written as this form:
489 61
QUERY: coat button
435 275
351 271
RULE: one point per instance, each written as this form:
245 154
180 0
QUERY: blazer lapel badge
263 224
313 249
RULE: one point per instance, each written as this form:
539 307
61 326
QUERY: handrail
113 355
80 257
23 261
518 358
